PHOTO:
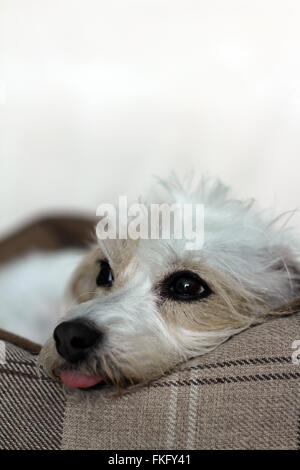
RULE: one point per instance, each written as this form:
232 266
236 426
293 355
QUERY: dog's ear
285 260
286 309
287 263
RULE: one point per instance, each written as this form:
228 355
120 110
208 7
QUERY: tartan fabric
31 404
243 395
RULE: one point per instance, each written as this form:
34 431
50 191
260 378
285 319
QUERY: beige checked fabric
243 395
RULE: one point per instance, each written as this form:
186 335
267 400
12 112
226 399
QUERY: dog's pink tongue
76 379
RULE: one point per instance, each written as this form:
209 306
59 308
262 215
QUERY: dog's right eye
105 277
185 286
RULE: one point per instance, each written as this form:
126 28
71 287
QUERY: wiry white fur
242 243
241 240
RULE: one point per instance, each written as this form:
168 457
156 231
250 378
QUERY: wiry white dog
137 308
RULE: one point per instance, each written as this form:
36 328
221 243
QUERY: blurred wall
97 96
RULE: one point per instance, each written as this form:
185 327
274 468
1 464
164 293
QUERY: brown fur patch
83 285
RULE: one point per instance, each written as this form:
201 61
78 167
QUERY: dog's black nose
75 339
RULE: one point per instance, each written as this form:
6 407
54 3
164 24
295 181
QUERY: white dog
137 308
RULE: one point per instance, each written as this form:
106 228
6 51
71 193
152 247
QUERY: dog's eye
186 286
105 277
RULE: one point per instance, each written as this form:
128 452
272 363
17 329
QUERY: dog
136 308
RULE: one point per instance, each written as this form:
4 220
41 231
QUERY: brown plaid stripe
233 379
243 395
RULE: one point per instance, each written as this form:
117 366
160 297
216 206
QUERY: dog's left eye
105 277
186 286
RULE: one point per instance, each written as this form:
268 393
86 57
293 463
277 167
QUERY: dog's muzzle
76 339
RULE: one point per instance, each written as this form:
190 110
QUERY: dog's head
136 308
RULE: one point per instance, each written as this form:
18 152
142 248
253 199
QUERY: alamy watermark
296 353
155 221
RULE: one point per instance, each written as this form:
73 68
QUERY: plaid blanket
243 395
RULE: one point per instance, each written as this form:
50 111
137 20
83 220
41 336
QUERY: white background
97 96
